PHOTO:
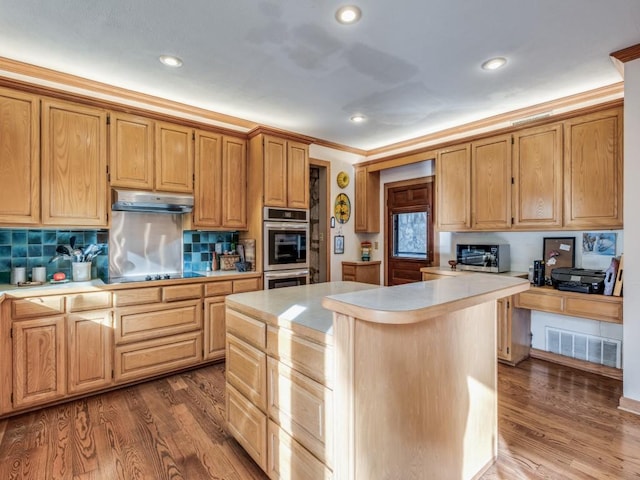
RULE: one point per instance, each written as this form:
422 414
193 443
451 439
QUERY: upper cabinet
174 158
74 164
131 151
593 170
367 203
220 182
286 173
19 158
537 174
453 188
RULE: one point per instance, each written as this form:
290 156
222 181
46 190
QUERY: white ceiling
411 66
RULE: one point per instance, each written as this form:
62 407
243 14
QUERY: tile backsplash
35 247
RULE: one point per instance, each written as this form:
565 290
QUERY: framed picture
558 252
338 244
599 243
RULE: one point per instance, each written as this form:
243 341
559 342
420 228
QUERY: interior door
409 230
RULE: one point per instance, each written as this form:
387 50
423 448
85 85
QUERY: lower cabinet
514 332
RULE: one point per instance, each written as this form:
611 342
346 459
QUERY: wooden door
90 349
409 247
74 164
275 171
491 183
214 328
39 373
19 158
234 184
174 158
453 186
131 153
537 173
208 198
367 203
297 175
593 171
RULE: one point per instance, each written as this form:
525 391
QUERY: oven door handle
286 226
297 273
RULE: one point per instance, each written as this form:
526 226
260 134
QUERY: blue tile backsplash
35 247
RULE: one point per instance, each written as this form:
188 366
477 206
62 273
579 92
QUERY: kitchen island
401 385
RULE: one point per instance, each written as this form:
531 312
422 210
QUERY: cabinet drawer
248 425
302 408
151 321
247 328
246 285
37 306
138 296
89 301
154 357
310 358
581 307
348 270
535 301
288 459
218 288
247 370
175 293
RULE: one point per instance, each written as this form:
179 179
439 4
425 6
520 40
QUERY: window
410 235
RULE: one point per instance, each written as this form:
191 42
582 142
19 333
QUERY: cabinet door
367 203
297 175
90 350
20 165
74 164
491 183
504 329
453 188
174 158
207 211
537 173
275 171
593 171
214 328
131 151
38 360
234 184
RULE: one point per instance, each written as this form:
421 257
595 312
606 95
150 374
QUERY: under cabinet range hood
152 202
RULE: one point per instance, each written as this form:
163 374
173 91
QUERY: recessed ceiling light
348 14
358 118
494 63
171 61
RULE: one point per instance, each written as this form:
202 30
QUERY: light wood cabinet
39 362
367 201
453 188
174 158
593 169
214 328
131 153
20 165
248 424
514 332
537 173
491 183
365 272
286 173
220 182
74 164
90 351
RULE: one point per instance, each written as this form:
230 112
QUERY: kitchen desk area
352 381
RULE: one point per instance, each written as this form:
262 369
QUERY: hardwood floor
555 422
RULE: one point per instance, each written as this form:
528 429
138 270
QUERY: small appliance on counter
578 280
493 258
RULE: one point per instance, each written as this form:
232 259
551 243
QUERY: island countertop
419 301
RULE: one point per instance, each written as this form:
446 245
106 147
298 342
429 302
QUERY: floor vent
603 351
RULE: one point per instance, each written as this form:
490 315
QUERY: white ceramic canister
18 275
39 274
81 271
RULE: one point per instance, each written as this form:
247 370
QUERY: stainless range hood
152 202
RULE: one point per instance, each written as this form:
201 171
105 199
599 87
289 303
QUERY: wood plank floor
555 423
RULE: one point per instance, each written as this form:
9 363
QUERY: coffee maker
538 273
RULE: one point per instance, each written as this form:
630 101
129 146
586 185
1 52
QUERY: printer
578 279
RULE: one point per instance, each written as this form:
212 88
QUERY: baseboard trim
629 405
603 370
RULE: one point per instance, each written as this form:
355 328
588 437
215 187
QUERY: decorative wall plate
342 208
342 179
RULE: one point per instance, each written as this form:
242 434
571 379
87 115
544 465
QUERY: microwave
491 258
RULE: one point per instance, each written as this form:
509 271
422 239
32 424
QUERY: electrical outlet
375 245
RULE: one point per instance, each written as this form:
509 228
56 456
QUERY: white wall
631 275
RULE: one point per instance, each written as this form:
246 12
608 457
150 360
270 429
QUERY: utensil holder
81 271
